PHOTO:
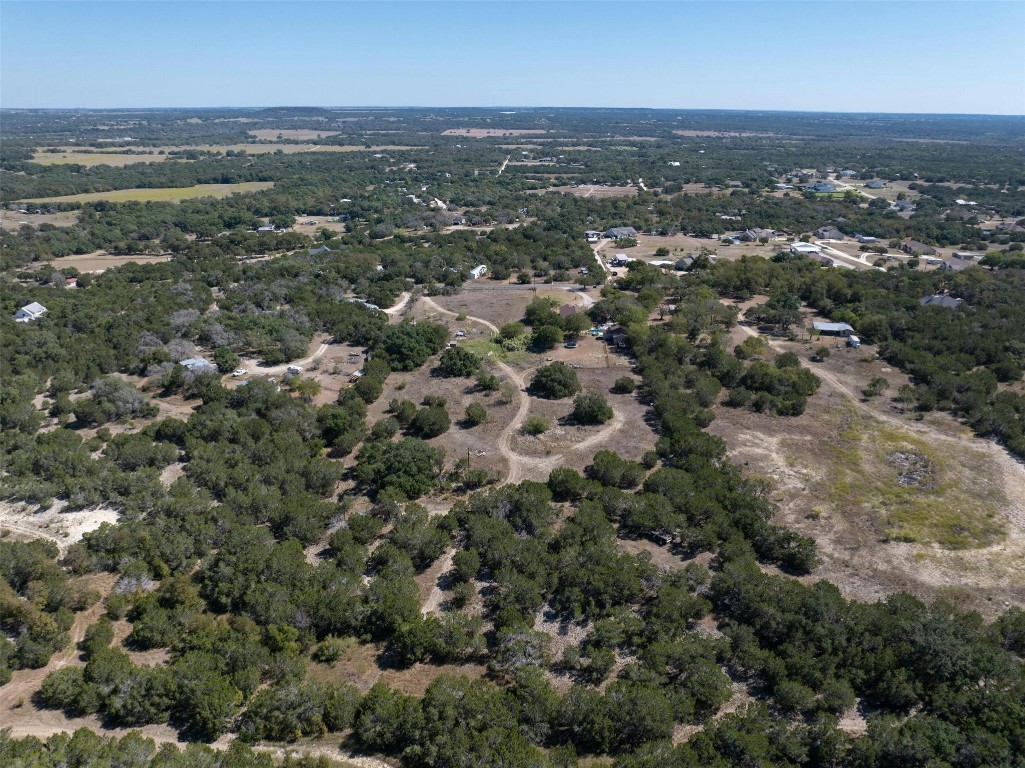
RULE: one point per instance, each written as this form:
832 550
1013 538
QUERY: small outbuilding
30 312
478 272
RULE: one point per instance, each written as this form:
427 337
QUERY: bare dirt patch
505 302
681 245
592 190
100 261
28 521
14 220
306 226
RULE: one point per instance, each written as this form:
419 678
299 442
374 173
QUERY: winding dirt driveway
521 466
400 305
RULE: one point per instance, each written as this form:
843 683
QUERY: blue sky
827 55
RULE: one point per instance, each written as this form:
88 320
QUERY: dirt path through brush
521 466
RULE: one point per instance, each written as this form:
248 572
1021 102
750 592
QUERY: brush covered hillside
288 479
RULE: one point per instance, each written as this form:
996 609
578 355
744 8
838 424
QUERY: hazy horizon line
356 107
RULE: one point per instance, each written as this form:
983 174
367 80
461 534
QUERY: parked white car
239 372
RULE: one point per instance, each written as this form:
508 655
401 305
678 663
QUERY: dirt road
400 305
520 466
597 256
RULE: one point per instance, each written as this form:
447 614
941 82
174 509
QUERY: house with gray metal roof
30 312
833 329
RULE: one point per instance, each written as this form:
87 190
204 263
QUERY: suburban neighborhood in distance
438 437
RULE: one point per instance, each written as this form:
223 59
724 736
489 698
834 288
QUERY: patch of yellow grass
90 159
952 505
163 194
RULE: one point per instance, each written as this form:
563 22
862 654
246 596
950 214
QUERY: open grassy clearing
163 194
504 302
912 490
89 159
14 220
249 148
99 261
956 528
296 134
360 665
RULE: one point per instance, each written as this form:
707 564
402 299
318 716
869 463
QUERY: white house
29 312
478 272
805 249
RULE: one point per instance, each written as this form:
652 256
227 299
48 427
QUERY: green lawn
164 194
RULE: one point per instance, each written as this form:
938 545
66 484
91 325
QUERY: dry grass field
163 194
295 134
303 226
288 149
504 302
70 156
484 133
14 220
99 261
